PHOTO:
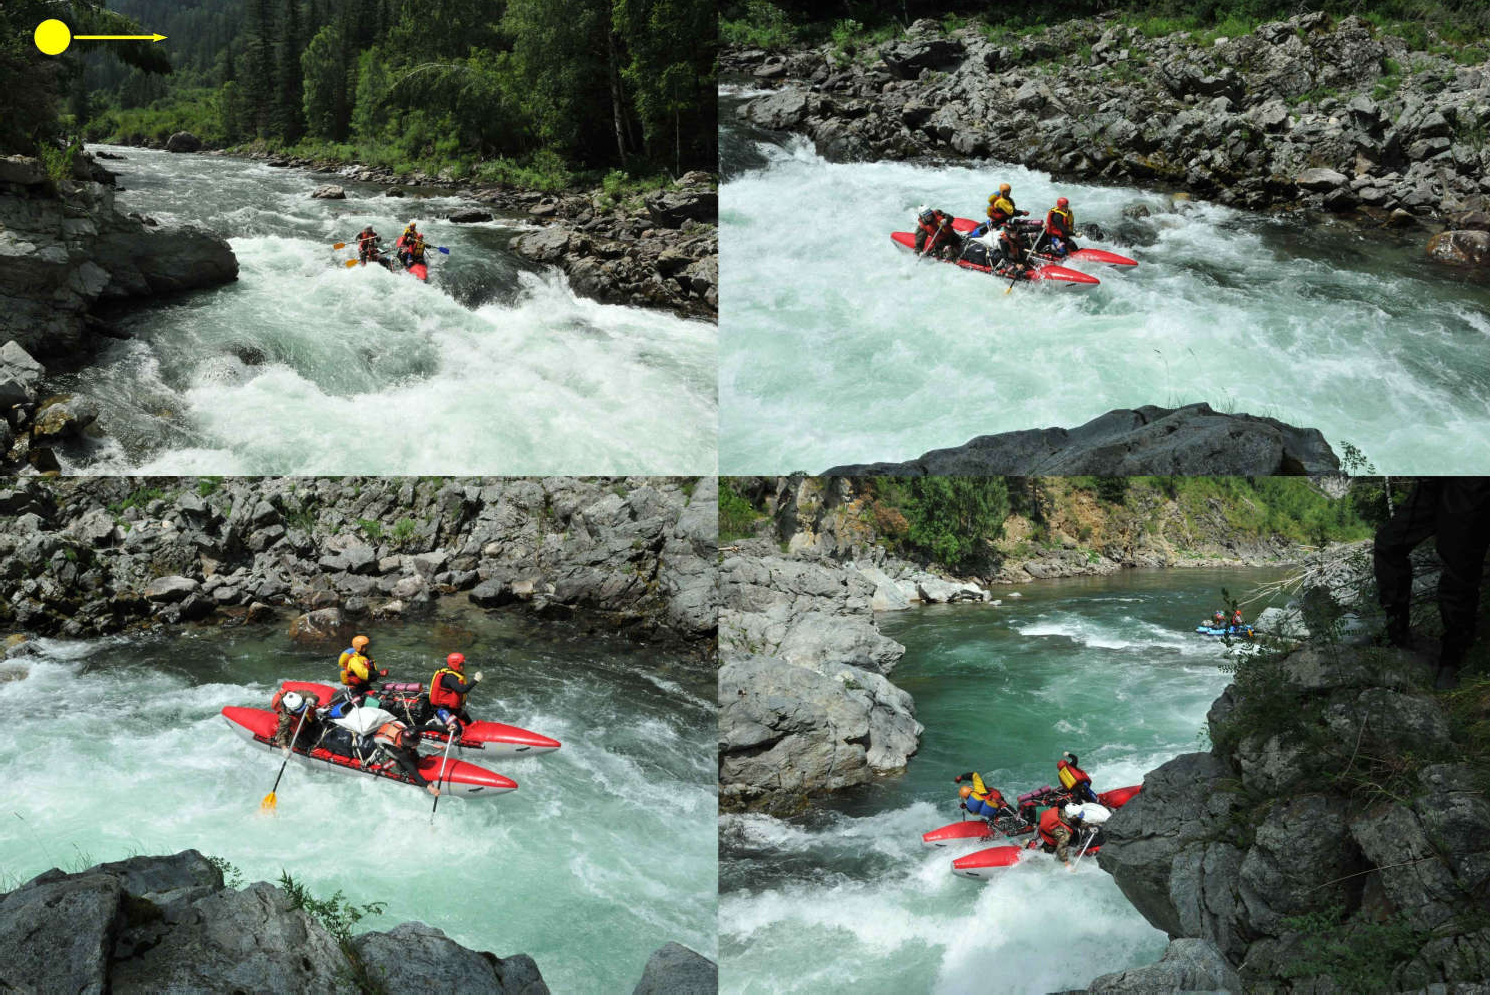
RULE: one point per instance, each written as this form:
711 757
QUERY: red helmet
1062 202
455 661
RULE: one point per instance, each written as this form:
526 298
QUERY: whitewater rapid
605 852
304 366
837 347
847 899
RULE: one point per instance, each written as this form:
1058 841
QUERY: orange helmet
965 791
359 643
1004 189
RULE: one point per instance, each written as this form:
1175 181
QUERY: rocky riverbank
1336 835
806 704
659 249
172 924
90 556
1189 441
67 249
1313 113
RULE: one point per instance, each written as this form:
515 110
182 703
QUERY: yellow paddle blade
340 245
351 263
269 804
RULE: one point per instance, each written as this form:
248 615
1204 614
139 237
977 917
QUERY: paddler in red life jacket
401 745
979 799
448 689
1055 833
416 250
1074 779
290 706
1060 226
927 223
367 245
1010 256
358 669
1236 618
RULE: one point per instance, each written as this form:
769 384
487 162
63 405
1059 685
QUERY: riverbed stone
674 969
416 957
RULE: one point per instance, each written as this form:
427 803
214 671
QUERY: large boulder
906 58
1188 965
786 108
321 627
1460 248
468 216
670 209
1321 180
1187 441
171 589
329 191
415 957
673 969
57 931
787 731
183 141
141 261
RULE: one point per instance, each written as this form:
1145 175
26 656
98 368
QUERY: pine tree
291 121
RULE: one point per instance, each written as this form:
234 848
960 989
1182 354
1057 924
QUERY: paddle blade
351 263
269 804
340 245
443 251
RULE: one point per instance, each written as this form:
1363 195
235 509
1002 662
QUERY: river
606 851
846 898
836 347
303 366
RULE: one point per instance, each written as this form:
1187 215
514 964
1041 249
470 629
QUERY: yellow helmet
1004 188
359 643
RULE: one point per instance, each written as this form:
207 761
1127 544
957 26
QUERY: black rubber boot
1398 632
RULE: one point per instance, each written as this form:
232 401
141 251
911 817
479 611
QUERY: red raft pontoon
1049 273
966 225
455 777
489 739
984 862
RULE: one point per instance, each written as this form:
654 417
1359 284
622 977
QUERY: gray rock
1189 441
415 957
906 58
786 108
671 209
57 931
322 626
1188 966
1460 248
329 191
468 216
1321 180
183 141
171 589
673 969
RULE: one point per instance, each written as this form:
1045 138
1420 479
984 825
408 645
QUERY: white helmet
1073 811
293 702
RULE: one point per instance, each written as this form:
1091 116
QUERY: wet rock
322 626
329 191
183 141
58 930
470 216
1460 248
673 969
62 418
1189 440
1321 180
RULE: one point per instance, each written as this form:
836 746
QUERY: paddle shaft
290 749
444 762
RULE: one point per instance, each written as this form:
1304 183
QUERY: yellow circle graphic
53 37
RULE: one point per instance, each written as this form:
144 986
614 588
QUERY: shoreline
1304 115
656 250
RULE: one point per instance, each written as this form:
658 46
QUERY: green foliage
207 486
232 877
336 914
950 519
57 162
1268 701
764 25
737 517
1360 955
404 529
137 498
1112 490
372 529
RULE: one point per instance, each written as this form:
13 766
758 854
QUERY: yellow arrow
52 37
119 37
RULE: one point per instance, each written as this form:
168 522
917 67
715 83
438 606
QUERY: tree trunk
615 97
